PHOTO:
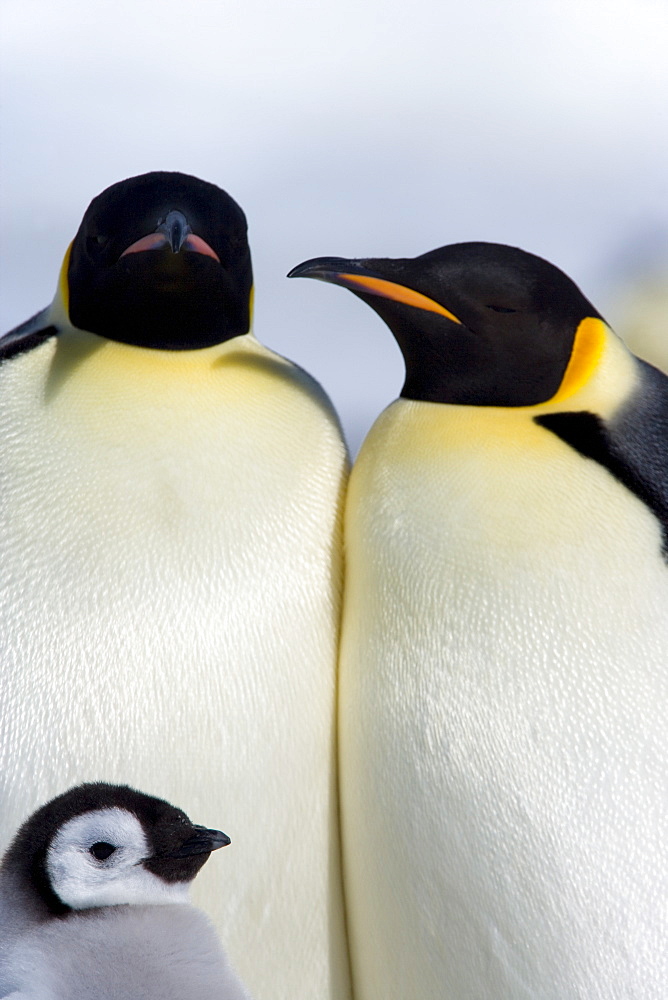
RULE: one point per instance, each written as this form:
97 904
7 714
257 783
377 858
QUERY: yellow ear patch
399 293
587 350
63 284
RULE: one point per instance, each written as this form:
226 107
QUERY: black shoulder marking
27 336
633 447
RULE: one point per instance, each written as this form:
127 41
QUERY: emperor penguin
94 903
503 669
170 521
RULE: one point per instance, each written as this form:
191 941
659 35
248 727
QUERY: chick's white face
95 859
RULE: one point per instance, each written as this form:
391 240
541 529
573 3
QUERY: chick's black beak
202 842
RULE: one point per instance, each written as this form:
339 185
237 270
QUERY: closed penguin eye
101 850
501 309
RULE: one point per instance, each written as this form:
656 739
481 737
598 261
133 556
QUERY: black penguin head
477 323
100 844
162 261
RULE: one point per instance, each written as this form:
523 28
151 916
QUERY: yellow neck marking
63 284
588 344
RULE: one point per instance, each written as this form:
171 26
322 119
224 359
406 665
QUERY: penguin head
104 845
160 261
479 324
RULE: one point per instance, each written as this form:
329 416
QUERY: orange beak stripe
399 293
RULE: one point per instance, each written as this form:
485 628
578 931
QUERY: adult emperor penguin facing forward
504 690
169 530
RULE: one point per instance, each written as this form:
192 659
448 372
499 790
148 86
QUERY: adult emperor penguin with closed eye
170 565
504 682
94 903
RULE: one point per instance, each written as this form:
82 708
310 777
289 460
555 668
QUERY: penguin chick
94 903
171 566
503 684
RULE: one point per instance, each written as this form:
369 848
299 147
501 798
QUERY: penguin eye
101 850
98 242
502 309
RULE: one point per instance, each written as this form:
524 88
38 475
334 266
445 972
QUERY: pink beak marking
154 241
199 245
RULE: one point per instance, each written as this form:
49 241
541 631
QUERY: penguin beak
174 231
175 227
202 842
353 274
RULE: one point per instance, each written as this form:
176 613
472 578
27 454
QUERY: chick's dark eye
101 850
502 309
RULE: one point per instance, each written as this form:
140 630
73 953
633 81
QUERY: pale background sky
355 128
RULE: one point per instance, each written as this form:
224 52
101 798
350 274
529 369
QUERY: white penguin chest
507 527
151 492
169 591
503 697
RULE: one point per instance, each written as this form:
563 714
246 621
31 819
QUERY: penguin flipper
28 335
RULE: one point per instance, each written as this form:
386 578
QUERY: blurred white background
379 128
